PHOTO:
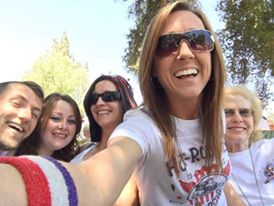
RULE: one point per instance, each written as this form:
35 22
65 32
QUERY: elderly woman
252 158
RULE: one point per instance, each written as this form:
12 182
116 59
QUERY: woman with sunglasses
56 136
105 103
173 143
252 158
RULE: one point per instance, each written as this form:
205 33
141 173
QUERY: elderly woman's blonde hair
256 107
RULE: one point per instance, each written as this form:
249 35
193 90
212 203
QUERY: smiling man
20 109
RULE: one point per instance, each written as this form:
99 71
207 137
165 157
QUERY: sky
96 31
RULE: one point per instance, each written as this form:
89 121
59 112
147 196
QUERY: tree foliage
57 71
247 39
248 42
142 11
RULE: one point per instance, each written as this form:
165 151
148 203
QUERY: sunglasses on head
244 112
198 40
108 96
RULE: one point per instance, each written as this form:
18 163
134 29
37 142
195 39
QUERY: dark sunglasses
244 112
199 40
107 96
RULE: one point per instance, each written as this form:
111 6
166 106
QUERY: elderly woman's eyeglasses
199 40
244 112
108 96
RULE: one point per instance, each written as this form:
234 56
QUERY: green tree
248 42
248 39
57 71
142 12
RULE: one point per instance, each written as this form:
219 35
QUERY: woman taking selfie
173 143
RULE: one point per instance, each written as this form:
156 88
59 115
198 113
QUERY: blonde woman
252 158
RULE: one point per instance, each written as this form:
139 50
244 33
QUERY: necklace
256 179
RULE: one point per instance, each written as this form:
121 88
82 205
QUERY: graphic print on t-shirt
207 188
198 184
269 172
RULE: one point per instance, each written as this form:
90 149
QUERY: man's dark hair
36 88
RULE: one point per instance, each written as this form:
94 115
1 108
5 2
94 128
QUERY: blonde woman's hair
256 107
156 100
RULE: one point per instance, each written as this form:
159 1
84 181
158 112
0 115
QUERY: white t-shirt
7 153
3 153
156 178
79 158
242 169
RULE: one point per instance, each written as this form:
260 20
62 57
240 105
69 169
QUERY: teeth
237 128
60 135
16 126
186 72
103 112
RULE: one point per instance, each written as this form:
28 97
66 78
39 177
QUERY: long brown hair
31 144
155 95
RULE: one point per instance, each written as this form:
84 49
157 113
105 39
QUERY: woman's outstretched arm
12 189
98 180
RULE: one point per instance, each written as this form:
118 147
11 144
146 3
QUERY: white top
263 157
79 158
7 153
156 178
3 153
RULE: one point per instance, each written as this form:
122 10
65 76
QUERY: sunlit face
172 70
20 109
107 114
60 128
240 125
